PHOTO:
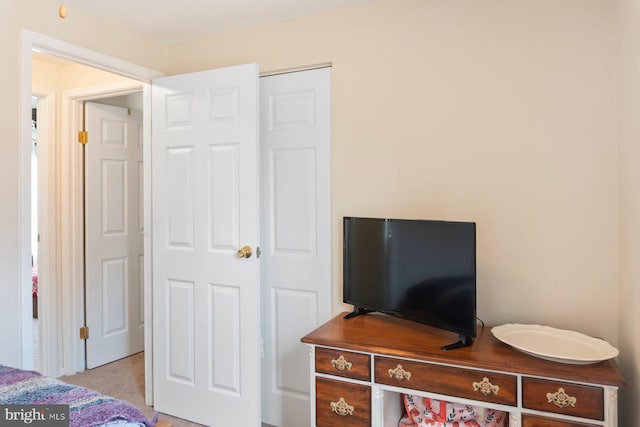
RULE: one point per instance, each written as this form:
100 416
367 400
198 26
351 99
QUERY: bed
86 407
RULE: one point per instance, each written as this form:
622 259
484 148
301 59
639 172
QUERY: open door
206 294
114 239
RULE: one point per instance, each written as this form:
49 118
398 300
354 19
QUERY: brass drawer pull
341 407
399 374
341 364
561 399
485 387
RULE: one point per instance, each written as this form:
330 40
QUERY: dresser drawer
343 363
563 398
460 382
340 404
536 421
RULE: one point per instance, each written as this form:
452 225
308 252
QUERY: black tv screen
421 270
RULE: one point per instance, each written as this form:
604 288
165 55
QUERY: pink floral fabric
426 412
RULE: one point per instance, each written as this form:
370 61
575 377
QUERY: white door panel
295 142
114 245
205 208
294 204
292 359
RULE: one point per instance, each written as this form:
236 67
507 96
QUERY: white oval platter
558 345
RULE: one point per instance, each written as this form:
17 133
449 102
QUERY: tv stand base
464 341
357 311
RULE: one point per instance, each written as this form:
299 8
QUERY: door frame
47 328
31 41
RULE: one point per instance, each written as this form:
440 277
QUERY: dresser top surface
391 336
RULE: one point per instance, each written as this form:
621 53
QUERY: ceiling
175 21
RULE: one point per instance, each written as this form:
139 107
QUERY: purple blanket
86 407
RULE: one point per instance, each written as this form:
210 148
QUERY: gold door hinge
83 137
84 333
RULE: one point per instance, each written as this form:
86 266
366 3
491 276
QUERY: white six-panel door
206 299
114 239
296 281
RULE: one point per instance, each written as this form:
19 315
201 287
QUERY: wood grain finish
448 380
536 421
356 397
332 362
407 358
588 403
395 337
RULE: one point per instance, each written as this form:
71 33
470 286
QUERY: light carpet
123 379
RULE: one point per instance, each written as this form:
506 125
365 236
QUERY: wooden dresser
362 366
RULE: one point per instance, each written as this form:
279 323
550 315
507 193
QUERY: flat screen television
420 270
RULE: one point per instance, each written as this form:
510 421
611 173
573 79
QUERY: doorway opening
43 176
80 84
60 308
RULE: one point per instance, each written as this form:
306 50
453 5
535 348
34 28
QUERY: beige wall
496 112
41 16
628 55
77 76
46 74
51 74
57 75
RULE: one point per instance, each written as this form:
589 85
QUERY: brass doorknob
245 252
